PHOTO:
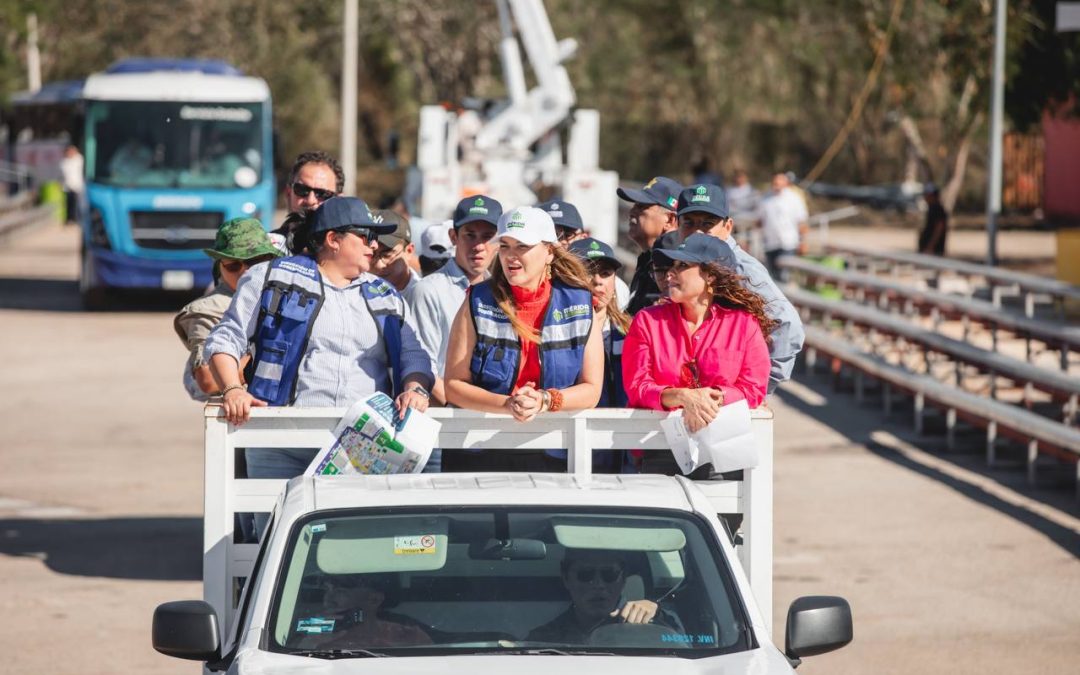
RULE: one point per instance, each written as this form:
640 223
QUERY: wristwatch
419 389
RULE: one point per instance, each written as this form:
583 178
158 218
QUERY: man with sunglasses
652 214
240 243
391 261
315 177
704 209
595 580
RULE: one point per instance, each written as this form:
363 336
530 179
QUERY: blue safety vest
291 299
614 393
496 360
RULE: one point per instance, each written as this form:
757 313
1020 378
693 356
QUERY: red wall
1061 180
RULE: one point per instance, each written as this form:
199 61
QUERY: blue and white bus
173 148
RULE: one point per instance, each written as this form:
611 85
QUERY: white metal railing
225 562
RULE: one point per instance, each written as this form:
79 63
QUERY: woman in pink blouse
703 349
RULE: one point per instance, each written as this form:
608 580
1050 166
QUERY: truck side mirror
816 624
187 629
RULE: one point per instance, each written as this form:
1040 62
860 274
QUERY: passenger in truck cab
525 342
325 331
704 348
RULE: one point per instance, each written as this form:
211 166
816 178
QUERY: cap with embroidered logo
477 208
527 224
340 212
563 214
589 249
661 191
698 248
704 198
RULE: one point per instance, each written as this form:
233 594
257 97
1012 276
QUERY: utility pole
33 55
997 106
349 74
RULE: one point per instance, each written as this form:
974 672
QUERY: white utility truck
496 572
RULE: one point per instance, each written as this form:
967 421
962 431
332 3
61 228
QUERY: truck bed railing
226 562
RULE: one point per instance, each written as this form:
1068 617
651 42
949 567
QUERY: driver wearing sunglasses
595 580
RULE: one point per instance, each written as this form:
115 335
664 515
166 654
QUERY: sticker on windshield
315 624
420 544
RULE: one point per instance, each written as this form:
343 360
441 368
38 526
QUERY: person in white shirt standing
71 168
782 217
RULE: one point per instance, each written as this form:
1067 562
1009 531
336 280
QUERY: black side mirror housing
187 629
817 624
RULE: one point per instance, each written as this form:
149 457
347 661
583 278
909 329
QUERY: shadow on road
858 429
62 295
159 549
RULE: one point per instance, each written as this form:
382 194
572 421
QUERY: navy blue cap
340 212
704 199
698 248
563 214
589 249
668 241
477 208
660 190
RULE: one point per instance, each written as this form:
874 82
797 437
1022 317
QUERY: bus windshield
159 144
498 580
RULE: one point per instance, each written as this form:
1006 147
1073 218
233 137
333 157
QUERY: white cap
528 225
435 241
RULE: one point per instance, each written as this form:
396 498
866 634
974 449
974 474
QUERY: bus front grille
175 230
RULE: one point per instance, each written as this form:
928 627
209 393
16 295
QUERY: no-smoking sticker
414 545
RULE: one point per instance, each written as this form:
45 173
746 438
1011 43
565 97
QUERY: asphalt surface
949 568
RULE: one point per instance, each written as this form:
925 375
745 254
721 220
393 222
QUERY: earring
547 271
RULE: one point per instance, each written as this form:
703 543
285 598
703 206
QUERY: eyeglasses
301 191
391 252
564 233
608 575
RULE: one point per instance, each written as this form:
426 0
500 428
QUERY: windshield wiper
551 651
331 654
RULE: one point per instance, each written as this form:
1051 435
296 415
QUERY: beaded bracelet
556 400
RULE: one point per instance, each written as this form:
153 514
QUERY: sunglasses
301 191
367 235
234 266
608 575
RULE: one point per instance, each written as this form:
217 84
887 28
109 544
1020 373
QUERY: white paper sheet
727 443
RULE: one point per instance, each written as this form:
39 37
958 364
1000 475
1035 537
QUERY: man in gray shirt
788 336
436 298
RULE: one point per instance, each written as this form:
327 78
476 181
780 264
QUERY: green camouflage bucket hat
241 239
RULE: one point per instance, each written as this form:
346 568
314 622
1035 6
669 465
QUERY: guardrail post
991 443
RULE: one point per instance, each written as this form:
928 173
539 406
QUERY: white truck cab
496 572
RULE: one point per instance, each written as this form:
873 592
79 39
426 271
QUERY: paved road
949 569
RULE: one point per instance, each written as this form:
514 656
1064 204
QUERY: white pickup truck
490 572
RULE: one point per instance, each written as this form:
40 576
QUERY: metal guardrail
939 305
226 562
1000 281
18 214
1059 385
997 418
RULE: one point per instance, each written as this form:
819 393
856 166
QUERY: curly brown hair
566 267
728 291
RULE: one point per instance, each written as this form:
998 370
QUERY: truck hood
764 661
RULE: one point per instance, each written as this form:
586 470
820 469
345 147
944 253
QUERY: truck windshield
174 144
506 581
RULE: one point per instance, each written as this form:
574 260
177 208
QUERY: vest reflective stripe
496 358
614 393
290 302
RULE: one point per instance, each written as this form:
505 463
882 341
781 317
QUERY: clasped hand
525 403
700 407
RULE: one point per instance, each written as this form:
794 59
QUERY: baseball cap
435 241
402 232
527 224
241 239
589 249
704 198
660 190
340 212
563 214
668 241
478 207
698 248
